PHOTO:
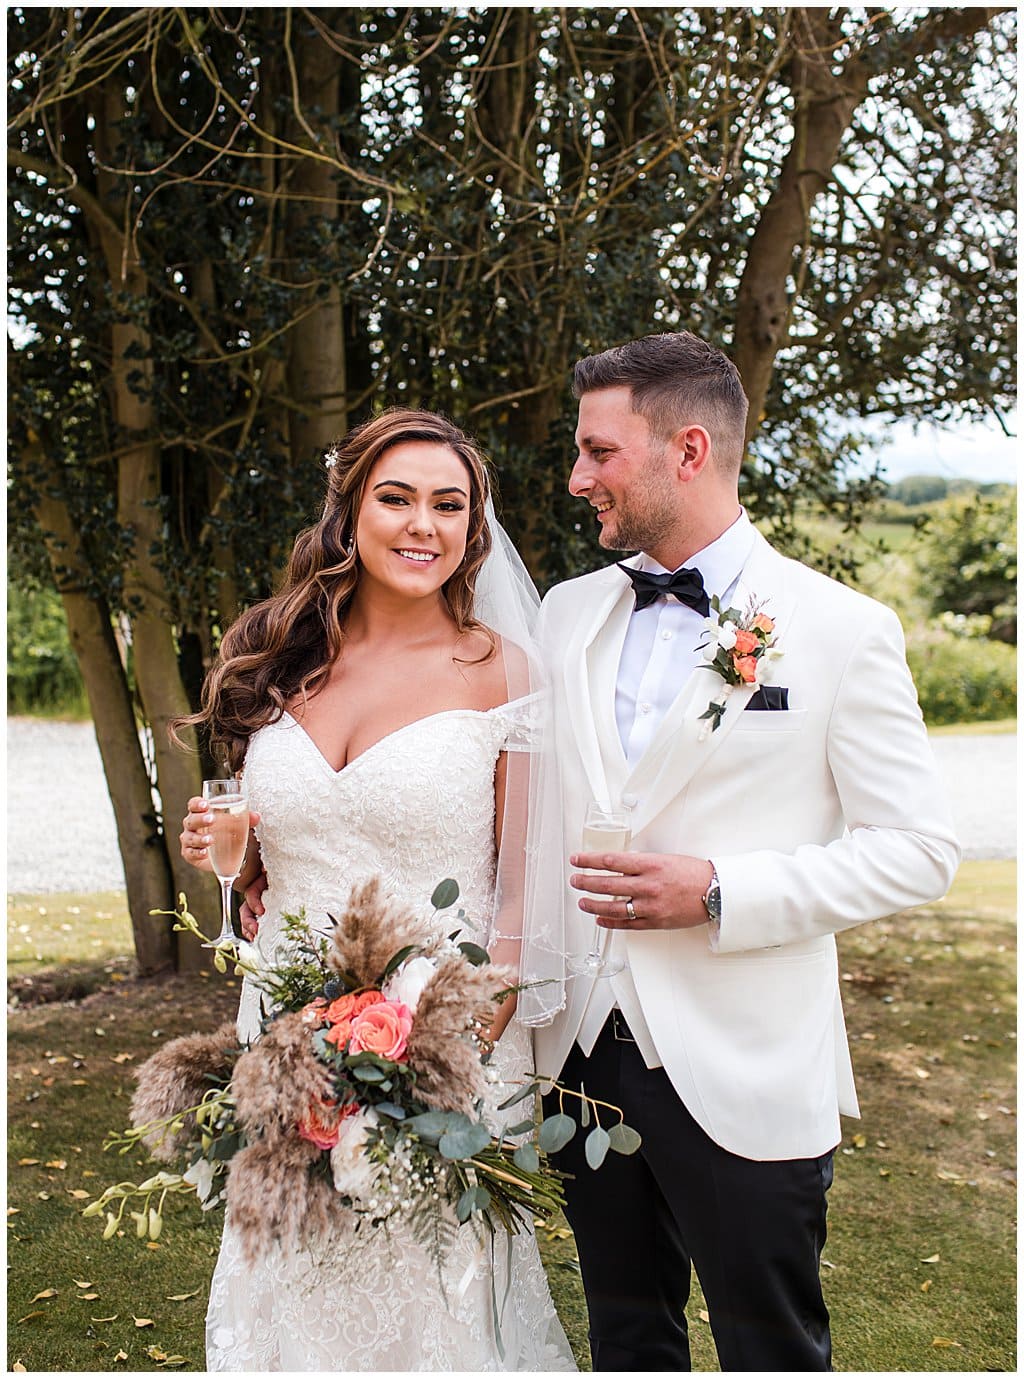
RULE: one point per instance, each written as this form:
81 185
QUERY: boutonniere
739 648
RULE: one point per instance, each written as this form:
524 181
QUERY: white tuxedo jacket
817 818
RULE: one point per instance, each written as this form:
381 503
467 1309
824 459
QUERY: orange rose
340 1014
765 623
313 1014
382 1029
746 642
746 668
323 1122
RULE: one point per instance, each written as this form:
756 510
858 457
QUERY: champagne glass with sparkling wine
229 831
604 830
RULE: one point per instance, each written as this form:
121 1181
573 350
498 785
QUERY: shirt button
645 708
630 801
666 636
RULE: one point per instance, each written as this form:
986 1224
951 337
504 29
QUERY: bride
383 707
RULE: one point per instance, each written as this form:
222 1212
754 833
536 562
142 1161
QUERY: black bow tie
685 585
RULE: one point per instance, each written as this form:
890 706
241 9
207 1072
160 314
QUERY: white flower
408 982
727 635
710 651
200 1175
354 1174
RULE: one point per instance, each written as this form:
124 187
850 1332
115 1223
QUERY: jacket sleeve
899 848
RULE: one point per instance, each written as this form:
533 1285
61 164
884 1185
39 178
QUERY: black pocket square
769 697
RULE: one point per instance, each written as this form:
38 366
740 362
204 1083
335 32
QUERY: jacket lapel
678 750
591 660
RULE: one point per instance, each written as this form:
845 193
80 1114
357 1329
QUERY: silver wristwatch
712 899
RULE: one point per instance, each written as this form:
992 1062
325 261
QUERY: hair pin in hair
331 458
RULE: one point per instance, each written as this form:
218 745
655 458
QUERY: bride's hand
501 1021
194 838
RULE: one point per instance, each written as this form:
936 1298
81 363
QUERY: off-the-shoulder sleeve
520 721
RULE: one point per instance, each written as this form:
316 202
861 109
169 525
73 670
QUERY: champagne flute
229 832
604 830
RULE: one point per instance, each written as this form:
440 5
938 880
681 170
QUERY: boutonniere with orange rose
739 647
369 1093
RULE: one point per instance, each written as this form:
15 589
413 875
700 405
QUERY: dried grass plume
369 931
450 1075
176 1078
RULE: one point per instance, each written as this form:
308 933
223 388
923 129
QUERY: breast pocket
776 721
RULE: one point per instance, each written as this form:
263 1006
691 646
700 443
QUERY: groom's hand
666 890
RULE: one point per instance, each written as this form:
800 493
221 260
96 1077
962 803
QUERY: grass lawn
919 1271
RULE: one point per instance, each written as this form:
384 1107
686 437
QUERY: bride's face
414 518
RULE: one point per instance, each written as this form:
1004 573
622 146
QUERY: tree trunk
146 872
316 343
155 658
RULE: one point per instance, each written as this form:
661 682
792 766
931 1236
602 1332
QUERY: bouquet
362 1100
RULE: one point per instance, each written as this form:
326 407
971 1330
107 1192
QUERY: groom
809 806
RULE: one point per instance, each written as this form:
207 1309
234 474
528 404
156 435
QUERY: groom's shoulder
569 591
827 591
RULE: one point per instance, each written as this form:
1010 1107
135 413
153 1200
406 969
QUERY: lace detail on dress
416 807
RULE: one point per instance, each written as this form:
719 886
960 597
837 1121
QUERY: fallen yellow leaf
926 1285
143 1321
104 1319
945 1342
932 1259
56 1163
82 1283
78 1192
180 1297
18 1368
703 1315
27 1163
29 1315
46 1293
87 1297
121 1355
859 1141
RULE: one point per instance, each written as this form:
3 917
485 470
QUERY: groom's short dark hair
674 379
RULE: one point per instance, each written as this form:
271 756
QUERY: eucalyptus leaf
521 1095
623 1139
523 1128
464 1141
388 1108
527 1158
399 958
555 1133
596 1146
430 1126
473 1199
445 894
584 1107
369 1072
473 953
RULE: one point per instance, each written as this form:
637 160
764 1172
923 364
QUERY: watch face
713 901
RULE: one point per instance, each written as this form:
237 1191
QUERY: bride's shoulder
500 669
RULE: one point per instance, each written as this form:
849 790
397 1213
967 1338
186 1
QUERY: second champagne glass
604 830
229 831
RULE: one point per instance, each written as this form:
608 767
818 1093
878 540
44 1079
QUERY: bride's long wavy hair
284 647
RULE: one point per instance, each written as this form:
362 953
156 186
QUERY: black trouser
753 1230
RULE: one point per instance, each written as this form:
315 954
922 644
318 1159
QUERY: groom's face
625 473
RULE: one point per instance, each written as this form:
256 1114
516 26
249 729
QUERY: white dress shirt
661 649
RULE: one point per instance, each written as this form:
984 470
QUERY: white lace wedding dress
415 808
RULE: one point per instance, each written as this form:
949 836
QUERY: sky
980 451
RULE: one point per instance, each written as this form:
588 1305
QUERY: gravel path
61 834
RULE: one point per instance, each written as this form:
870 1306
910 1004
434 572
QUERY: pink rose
746 642
746 668
313 1014
764 623
382 1029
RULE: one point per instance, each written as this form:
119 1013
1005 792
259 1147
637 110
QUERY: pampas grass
176 1079
369 932
278 1195
277 1081
449 1074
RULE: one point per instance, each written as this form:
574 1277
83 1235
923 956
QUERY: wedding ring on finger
630 912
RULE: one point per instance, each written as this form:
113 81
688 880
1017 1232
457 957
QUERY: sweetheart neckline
416 722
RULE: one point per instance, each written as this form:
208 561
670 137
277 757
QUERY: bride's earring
350 544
